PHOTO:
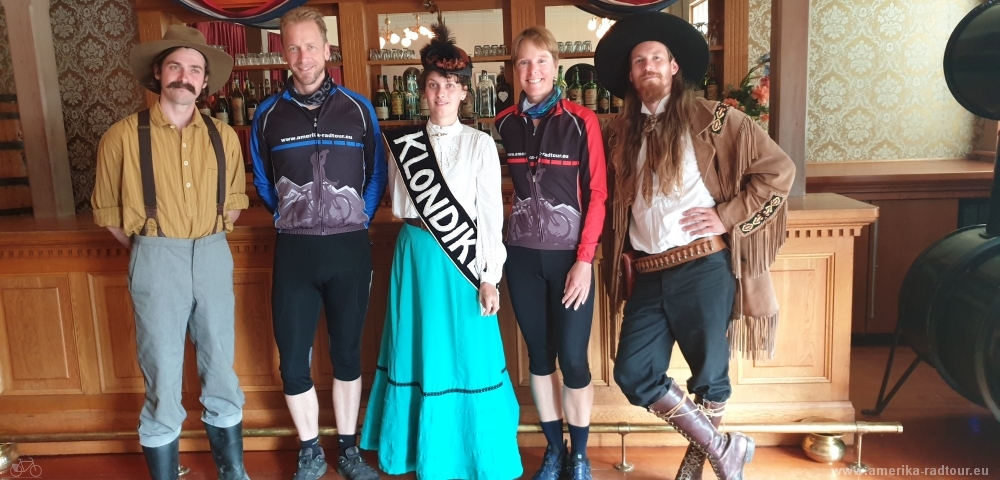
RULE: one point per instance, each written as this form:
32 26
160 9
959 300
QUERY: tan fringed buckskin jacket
749 177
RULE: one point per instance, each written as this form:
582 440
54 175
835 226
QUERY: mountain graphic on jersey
537 220
299 206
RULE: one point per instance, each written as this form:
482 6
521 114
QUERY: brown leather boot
728 453
693 463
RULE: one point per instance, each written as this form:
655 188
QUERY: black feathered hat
443 56
686 44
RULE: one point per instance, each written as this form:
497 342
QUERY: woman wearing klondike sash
442 403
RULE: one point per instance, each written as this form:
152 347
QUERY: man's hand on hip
702 221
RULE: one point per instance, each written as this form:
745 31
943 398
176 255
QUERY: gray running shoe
310 467
354 467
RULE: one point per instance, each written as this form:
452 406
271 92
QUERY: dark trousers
536 280
332 271
689 304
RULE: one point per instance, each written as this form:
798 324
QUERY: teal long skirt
442 404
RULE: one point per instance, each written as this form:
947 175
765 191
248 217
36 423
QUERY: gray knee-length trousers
184 287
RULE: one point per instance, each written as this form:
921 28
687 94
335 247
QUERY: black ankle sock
312 445
578 439
553 434
345 442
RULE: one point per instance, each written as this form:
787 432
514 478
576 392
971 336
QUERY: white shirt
655 226
469 161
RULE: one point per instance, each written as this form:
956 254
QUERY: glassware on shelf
713 34
477 51
240 60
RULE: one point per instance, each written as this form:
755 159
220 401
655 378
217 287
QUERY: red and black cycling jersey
560 178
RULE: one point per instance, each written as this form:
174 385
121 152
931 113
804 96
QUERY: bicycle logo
26 468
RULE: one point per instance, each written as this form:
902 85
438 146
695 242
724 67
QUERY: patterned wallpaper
760 29
6 67
92 39
876 88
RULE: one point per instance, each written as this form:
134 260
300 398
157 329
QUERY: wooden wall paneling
256 358
863 270
36 80
735 42
352 24
905 229
114 322
38 335
86 332
804 329
789 82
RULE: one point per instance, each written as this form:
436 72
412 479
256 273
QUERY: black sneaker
310 467
578 467
552 464
354 467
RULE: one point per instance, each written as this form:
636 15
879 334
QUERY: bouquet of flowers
754 91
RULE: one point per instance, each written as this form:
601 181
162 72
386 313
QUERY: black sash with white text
447 221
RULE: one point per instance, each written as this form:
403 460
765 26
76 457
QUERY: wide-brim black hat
685 42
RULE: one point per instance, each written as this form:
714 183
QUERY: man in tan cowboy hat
697 200
170 184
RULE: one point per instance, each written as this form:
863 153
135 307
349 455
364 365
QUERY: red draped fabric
232 35
274 45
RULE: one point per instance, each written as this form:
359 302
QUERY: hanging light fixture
592 24
387 35
605 24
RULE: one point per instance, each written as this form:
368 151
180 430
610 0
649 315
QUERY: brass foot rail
623 428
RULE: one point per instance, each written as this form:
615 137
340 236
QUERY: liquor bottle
222 108
397 101
412 98
467 109
425 107
616 104
590 93
711 86
204 108
575 91
266 88
505 94
486 92
381 98
251 100
279 86
237 112
603 100
561 83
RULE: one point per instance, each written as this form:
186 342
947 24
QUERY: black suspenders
149 185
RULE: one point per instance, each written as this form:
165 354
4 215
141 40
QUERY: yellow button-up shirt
185 171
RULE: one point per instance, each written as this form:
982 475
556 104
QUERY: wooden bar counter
67 336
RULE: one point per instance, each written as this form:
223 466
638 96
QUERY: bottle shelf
576 55
715 48
416 61
276 66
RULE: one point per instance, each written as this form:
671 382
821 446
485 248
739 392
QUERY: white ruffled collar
438 130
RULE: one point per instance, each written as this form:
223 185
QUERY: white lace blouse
470 164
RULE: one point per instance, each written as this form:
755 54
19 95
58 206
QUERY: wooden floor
941 429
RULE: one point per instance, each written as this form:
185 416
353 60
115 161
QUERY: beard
309 78
652 87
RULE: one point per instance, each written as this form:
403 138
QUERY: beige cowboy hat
220 64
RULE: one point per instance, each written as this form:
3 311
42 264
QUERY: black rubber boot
163 461
227 451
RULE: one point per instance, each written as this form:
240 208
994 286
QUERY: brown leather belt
416 222
678 255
